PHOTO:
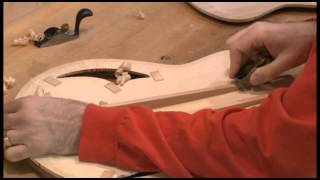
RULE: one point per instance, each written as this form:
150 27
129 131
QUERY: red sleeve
276 139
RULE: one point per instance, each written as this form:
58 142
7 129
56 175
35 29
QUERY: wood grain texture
240 12
179 80
172 29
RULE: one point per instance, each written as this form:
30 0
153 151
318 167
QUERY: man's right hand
288 43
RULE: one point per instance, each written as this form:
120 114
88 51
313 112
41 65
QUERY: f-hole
107 74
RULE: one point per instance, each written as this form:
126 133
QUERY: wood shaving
165 57
34 36
122 73
30 35
126 66
121 80
21 41
141 15
8 83
118 72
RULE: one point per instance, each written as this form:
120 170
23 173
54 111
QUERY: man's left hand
38 126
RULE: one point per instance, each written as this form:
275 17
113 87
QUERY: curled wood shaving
126 66
21 41
34 36
122 73
30 35
121 80
8 83
141 15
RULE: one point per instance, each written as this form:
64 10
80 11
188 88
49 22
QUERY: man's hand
288 43
42 125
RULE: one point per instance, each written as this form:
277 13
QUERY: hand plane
254 59
54 35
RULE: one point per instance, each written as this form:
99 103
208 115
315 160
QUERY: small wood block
109 174
156 76
52 81
39 91
47 94
112 87
103 103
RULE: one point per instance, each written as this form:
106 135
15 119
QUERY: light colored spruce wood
240 12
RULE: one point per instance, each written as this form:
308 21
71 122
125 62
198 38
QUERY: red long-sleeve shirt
276 139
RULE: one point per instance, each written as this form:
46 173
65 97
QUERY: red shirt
276 139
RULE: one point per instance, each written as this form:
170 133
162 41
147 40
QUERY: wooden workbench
169 29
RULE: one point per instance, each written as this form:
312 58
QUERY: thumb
268 72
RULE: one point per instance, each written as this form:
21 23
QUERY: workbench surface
175 30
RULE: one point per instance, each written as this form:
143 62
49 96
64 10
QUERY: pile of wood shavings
31 35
